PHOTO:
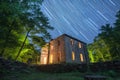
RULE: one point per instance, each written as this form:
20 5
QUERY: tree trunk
22 45
48 53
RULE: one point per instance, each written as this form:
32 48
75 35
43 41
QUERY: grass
19 71
43 76
35 75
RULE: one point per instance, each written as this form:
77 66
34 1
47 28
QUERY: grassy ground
44 76
34 75
19 71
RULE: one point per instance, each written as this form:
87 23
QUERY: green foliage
36 22
98 51
106 45
20 19
91 56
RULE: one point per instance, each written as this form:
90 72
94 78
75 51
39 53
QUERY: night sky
81 19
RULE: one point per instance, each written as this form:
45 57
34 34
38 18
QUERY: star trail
81 19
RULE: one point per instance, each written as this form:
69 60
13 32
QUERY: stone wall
74 47
57 51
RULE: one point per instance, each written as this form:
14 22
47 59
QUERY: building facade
64 49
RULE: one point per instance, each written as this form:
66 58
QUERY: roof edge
70 37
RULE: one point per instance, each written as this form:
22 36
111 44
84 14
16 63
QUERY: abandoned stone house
64 49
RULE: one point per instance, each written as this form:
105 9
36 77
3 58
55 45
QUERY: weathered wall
44 55
75 48
57 50
86 53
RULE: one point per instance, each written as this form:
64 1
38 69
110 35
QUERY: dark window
72 41
58 43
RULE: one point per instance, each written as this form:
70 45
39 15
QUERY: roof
71 38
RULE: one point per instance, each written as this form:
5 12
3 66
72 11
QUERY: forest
106 45
20 23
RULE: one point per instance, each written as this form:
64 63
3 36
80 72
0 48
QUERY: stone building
64 49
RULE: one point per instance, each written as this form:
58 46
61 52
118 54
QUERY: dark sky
81 19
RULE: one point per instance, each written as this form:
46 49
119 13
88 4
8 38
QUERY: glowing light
44 55
81 57
51 59
80 46
45 60
73 56
51 47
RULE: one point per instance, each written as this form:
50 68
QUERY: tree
37 23
107 42
99 51
10 24
17 18
117 33
111 38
